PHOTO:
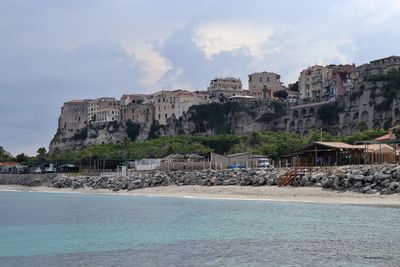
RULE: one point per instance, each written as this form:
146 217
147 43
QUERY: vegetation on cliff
4 155
273 144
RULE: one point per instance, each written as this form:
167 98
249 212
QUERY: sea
73 229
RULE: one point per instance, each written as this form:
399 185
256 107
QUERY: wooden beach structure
324 154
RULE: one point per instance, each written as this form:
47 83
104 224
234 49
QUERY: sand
266 193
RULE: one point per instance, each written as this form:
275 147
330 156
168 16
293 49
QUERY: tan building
138 113
222 88
73 117
262 85
173 103
101 105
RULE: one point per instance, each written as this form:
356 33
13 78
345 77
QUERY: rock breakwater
367 179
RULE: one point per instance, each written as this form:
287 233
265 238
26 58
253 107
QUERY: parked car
264 163
48 168
68 168
236 166
36 170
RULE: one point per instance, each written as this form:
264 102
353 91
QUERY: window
267 79
165 115
159 116
260 79
159 100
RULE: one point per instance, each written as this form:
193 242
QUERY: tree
396 132
362 126
294 86
132 130
21 158
41 151
328 113
283 94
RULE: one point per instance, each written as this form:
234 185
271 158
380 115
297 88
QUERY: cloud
191 68
37 80
371 12
216 37
53 51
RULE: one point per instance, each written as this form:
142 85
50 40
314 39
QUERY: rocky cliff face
229 118
105 133
210 119
4 154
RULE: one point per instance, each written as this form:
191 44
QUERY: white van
264 163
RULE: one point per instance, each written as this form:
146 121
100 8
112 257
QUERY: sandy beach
265 193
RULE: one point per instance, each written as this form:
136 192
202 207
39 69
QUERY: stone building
105 105
224 87
137 112
73 117
262 85
133 98
173 103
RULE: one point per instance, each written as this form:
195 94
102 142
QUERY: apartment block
318 83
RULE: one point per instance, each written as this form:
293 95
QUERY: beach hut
326 154
378 153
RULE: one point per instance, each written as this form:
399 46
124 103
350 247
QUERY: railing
289 176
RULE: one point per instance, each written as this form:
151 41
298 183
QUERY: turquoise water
57 229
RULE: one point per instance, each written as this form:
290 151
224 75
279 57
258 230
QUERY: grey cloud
35 83
189 65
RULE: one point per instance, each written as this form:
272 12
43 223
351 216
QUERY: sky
55 51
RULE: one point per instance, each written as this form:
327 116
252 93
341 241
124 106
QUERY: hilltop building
262 85
318 83
173 103
73 117
104 109
222 88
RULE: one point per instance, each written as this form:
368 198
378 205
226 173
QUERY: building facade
103 105
138 113
224 87
262 85
174 103
107 115
73 117
318 83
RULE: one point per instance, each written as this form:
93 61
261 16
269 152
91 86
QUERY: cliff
209 119
4 155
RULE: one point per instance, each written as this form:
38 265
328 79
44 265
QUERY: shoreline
262 193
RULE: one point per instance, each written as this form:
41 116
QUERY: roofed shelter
379 153
327 154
